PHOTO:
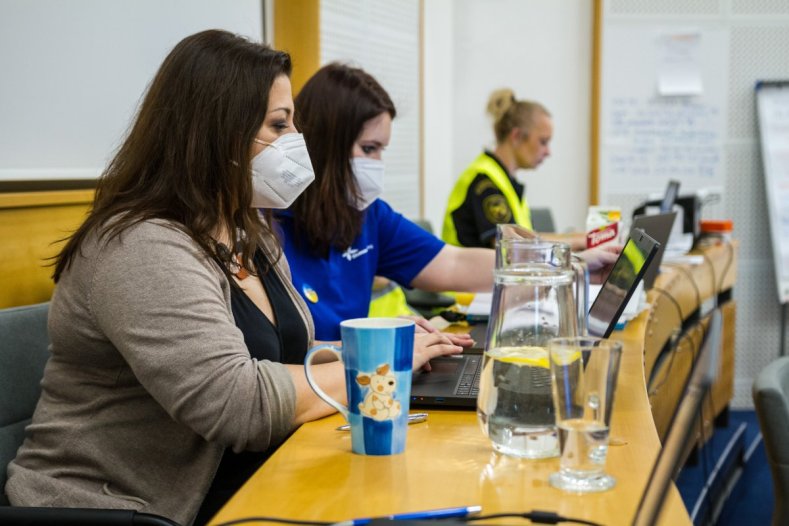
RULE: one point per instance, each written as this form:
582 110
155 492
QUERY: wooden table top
449 462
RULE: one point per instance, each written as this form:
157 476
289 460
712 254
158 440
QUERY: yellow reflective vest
389 302
484 164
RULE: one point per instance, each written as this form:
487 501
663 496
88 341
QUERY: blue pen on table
444 513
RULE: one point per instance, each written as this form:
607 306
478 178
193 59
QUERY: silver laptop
454 380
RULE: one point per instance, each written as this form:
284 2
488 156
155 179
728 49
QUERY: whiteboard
662 106
72 73
772 102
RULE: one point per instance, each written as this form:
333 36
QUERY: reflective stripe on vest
484 164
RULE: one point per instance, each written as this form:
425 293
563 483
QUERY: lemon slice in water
532 356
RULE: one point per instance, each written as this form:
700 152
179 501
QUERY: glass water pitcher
534 299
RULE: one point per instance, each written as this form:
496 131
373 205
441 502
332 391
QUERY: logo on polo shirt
309 293
353 253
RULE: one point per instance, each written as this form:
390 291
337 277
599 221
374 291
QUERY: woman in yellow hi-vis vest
487 192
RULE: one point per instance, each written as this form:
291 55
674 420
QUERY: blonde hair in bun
509 112
499 102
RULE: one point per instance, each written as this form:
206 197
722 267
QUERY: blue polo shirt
338 288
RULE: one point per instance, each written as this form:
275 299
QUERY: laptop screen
670 197
621 282
658 227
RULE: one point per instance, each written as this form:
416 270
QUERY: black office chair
542 220
17 516
24 344
771 398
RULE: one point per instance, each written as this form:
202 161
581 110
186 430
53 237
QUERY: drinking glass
584 372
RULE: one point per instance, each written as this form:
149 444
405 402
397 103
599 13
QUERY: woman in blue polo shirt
338 235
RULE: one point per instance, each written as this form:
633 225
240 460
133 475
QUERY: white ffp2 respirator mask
281 172
369 174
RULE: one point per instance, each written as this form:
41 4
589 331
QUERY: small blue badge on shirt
309 293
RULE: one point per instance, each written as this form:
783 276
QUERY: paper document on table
683 259
679 244
480 305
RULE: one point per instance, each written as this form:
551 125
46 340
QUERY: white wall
740 42
71 74
438 133
539 48
382 37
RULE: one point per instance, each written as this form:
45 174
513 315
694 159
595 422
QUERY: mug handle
310 380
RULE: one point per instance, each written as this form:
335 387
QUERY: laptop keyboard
469 380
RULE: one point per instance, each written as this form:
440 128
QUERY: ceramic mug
377 354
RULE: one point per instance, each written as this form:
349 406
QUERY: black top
290 335
259 332
484 207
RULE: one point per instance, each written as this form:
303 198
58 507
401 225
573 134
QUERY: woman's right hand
423 325
432 345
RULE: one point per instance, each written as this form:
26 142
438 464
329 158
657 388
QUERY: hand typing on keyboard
431 345
456 338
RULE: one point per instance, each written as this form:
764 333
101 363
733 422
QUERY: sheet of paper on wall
679 64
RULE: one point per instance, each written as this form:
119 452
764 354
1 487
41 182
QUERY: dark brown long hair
187 155
331 110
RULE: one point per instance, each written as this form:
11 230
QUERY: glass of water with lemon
584 371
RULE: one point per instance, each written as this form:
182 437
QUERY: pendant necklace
232 261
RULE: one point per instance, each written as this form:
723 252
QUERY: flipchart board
772 105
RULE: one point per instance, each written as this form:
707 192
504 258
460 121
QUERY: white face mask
281 172
369 174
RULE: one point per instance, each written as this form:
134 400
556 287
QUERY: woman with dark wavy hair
177 337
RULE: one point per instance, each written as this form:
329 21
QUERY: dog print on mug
379 401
